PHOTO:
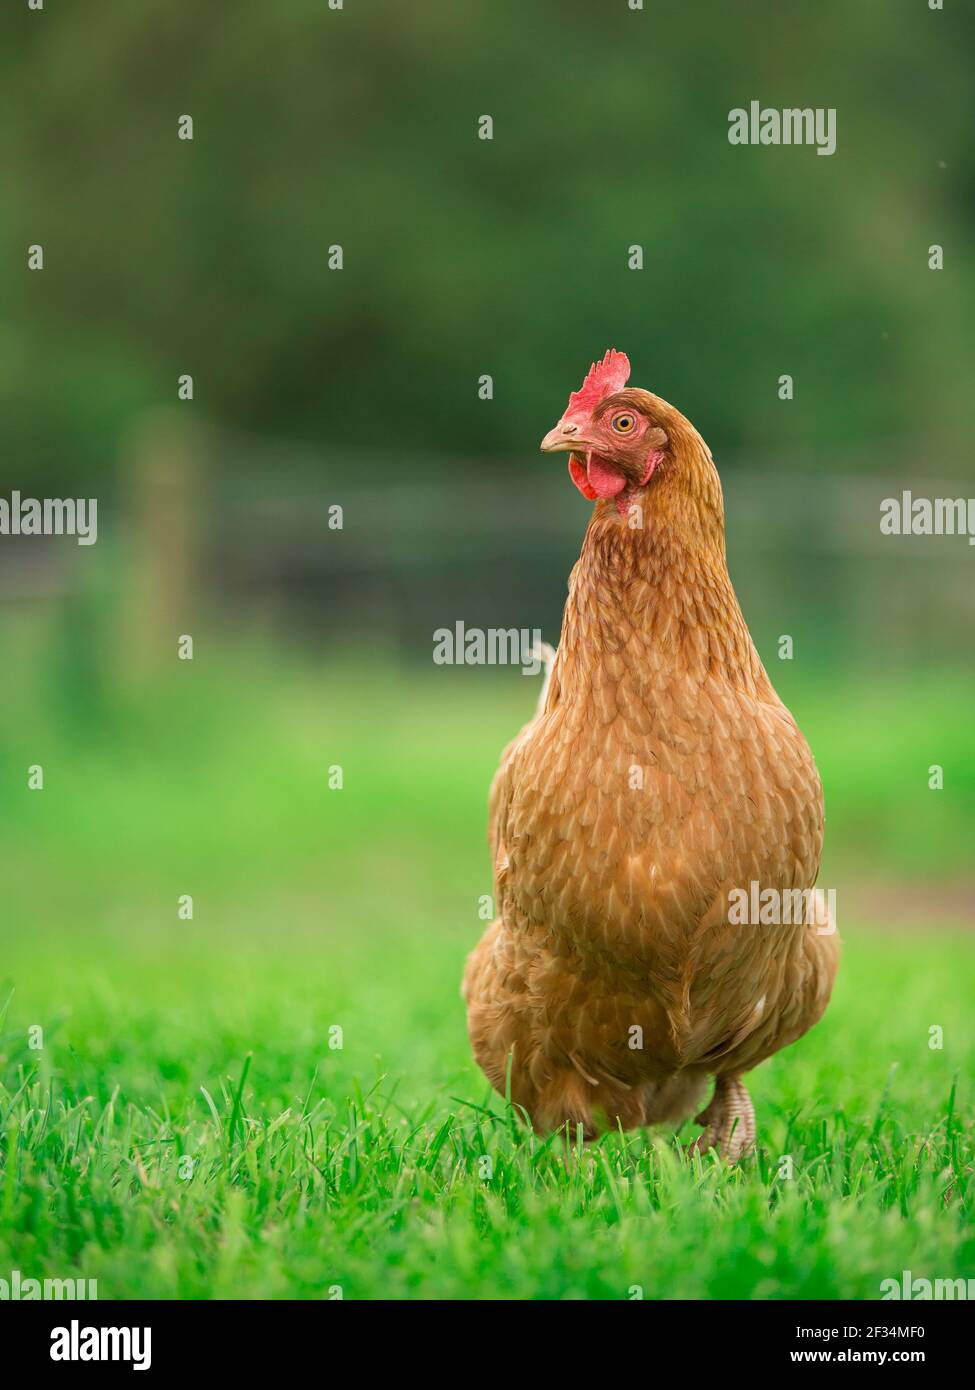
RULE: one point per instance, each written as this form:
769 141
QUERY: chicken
661 780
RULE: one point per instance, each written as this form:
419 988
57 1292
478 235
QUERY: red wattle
578 475
603 477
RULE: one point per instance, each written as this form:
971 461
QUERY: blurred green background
359 387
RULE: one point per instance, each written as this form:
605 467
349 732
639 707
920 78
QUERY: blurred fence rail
214 517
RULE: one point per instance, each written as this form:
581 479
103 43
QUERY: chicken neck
650 596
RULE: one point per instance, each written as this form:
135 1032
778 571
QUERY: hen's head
616 439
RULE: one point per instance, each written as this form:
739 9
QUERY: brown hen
661 780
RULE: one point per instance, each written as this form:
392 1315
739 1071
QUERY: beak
563 437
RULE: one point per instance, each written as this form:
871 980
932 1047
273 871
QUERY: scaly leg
729 1120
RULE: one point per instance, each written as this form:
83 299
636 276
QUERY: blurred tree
461 256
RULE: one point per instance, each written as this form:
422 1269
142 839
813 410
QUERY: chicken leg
729 1120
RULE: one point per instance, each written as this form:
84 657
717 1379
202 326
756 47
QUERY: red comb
604 379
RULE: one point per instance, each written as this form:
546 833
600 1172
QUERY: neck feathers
655 599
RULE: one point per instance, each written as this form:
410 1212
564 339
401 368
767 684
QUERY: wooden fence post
165 467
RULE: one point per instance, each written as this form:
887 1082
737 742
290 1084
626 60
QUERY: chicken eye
623 424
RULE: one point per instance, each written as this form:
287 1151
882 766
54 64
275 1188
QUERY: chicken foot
729 1120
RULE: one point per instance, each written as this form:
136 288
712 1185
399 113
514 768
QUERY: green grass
385 1167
